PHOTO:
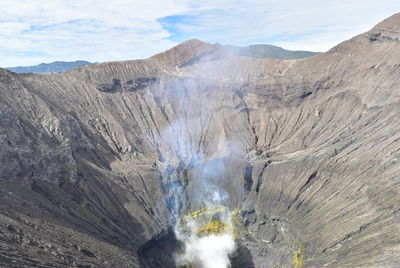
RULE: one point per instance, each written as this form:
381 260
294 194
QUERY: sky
36 31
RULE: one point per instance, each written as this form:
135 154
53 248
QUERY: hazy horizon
45 31
83 60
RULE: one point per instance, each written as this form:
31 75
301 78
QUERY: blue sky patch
173 25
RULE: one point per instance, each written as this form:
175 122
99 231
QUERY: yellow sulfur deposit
207 211
213 220
213 227
298 257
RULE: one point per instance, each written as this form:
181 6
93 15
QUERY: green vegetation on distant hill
57 66
269 51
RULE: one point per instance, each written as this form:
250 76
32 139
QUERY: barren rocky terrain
97 161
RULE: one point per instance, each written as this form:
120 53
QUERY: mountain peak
185 52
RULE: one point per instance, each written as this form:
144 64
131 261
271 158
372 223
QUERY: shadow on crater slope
161 251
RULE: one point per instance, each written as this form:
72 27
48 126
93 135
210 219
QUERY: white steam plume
208 252
184 149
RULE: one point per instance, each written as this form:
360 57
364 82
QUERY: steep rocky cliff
96 161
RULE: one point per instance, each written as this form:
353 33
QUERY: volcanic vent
212 231
167 161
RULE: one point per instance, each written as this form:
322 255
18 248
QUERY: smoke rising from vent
208 252
208 238
206 241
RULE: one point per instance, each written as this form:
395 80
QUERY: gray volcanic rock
97 161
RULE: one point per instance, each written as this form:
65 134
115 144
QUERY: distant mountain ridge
253 51
53 67
269 51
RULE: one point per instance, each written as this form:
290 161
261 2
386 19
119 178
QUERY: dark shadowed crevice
160 251
248 178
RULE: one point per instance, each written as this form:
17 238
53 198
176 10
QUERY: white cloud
98 30
48 30
307 24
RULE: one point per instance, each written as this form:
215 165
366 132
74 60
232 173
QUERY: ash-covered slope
96 162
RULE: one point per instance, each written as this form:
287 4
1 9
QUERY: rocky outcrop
96 161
